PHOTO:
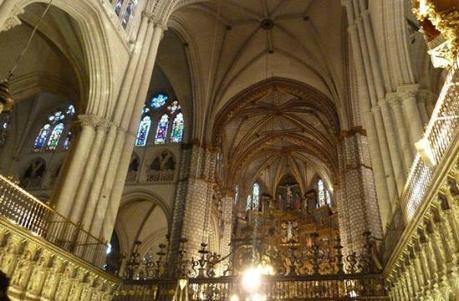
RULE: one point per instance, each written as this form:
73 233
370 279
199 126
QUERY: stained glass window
53 141
328 198
67 140
161 131
50 134
323 195
118 6
174 107
42 137
249 202
253 200
177 128
128 12
320 193
236 194
158 100
256 195
70 110
142 133
4 125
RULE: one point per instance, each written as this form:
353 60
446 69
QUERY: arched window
161 130
159 100
253 200
142 133
236 194
128 13
177 129
162 168
34 174
118 6
168 117
42 137
55 136
68 140
133 168
323 195
51 132
4 126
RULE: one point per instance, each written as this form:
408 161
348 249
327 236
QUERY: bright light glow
352 294
109 249
425 151
234 298
258 297
251 279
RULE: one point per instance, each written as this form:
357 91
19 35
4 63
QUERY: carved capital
103 124
89 120
408 91
393 99
13 20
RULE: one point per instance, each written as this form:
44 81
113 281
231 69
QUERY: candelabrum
133 263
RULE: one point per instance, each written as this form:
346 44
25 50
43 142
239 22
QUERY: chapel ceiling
275 128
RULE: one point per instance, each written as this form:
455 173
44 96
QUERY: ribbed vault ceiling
237 43
277 127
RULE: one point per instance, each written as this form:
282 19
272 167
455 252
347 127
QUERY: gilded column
439 249
430 255
425 264
421 275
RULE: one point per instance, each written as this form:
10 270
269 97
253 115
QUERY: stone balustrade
40 270
425 264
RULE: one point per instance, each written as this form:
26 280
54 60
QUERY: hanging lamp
6 99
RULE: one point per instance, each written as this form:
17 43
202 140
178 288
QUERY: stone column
411 111
394 149
366 100
114 181
191 217
385 155
90 171
227 216
407 149
66 195
358 207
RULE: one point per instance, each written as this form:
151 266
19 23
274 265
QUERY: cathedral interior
239 150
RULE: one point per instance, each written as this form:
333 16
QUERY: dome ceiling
237 43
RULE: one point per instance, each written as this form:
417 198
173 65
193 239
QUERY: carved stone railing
441 131
20 208
41 271
160 176
425 263
439 137
331 287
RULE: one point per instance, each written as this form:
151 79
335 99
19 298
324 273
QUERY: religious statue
289 197
290 228
280 202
